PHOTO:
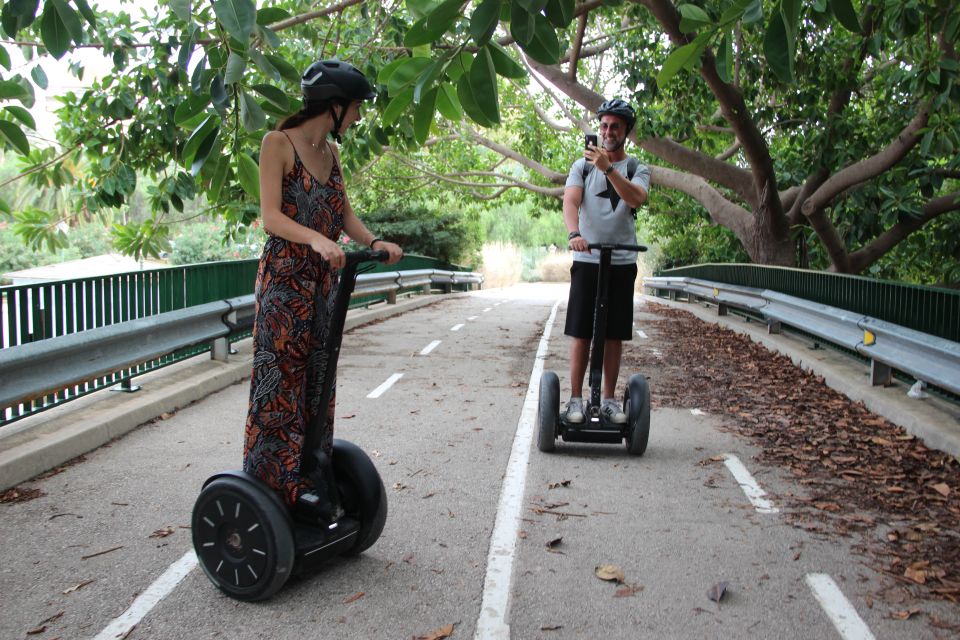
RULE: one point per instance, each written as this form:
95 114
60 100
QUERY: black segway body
551 424
245 538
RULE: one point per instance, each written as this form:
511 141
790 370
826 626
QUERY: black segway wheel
362 495
242 536
636 404
548 412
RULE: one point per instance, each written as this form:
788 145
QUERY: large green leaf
753 13
484 20
406 73
192 106
249 175
287 70
22 115
544 47
53 31
200 157
423 116
14 136
778 48
398 104
426 79
383 76
11 89
433 25
504 64
684 57
523 24
692 18
69 18
790 9
17 15
40 77
237 17
196 138
846 14
84 8
469 103
5 59
448 104
725 57
483 82
275 95
251 113
270 15
560 12
265 65
181 9
236 64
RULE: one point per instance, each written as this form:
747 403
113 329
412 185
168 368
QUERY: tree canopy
819 133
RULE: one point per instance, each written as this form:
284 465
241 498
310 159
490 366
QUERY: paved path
446 435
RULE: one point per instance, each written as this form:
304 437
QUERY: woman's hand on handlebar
394 252
329 251
579 243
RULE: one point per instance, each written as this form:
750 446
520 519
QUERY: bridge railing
97 344
887 346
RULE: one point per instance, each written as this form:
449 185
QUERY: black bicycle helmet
333 80
618 108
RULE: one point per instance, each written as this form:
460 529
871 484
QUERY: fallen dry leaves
858 469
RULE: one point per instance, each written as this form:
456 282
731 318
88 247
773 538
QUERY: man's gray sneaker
574 410
611 411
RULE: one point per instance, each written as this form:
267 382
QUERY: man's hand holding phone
592 152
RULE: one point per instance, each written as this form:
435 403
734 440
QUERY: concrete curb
39 443
934 421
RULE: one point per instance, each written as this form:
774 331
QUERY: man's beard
617 147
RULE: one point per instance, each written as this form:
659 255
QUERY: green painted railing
932 310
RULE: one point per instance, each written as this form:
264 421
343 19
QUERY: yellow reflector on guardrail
868 338
716 292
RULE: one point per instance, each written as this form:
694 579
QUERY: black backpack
632 165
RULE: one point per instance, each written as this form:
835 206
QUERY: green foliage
524 225
434 228
207 242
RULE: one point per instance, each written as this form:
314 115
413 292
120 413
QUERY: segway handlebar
365 255
625 247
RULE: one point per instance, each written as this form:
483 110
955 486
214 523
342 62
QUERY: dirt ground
864 478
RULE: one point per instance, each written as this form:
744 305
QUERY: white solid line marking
697 412
642 335
487 309
456 327
844 617
147 600
749 485
492 623
473 317
430 347
379 391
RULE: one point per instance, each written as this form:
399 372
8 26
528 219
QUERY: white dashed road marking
430 347
844 617
750 487
379 391
456 327
492 623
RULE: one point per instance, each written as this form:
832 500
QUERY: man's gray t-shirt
599 221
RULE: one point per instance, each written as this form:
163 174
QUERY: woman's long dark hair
309 111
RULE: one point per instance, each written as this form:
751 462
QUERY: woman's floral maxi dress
289 335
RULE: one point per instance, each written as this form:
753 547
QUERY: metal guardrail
888 347
41 374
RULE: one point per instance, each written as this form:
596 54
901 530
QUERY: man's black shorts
583 296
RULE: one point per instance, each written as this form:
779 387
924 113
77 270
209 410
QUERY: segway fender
361 491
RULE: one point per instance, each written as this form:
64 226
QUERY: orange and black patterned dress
295 292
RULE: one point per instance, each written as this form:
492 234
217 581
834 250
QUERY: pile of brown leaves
860 470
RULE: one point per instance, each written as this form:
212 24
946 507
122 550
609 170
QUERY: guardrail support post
392 297
774 326
721 309
881 374
126 385
220 348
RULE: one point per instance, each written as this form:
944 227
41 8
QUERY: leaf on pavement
162 533
905 614
555 485
354 597
628 591
827 506
77 587
610 573
551 627
438 634
553 544
717 591
942 488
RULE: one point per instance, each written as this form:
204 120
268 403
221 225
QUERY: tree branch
870 167
863 258
548 173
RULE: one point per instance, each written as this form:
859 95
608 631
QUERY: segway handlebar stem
366 255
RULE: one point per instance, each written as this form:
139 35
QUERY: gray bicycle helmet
618 108
335 80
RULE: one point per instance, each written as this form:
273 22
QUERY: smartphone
590 140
